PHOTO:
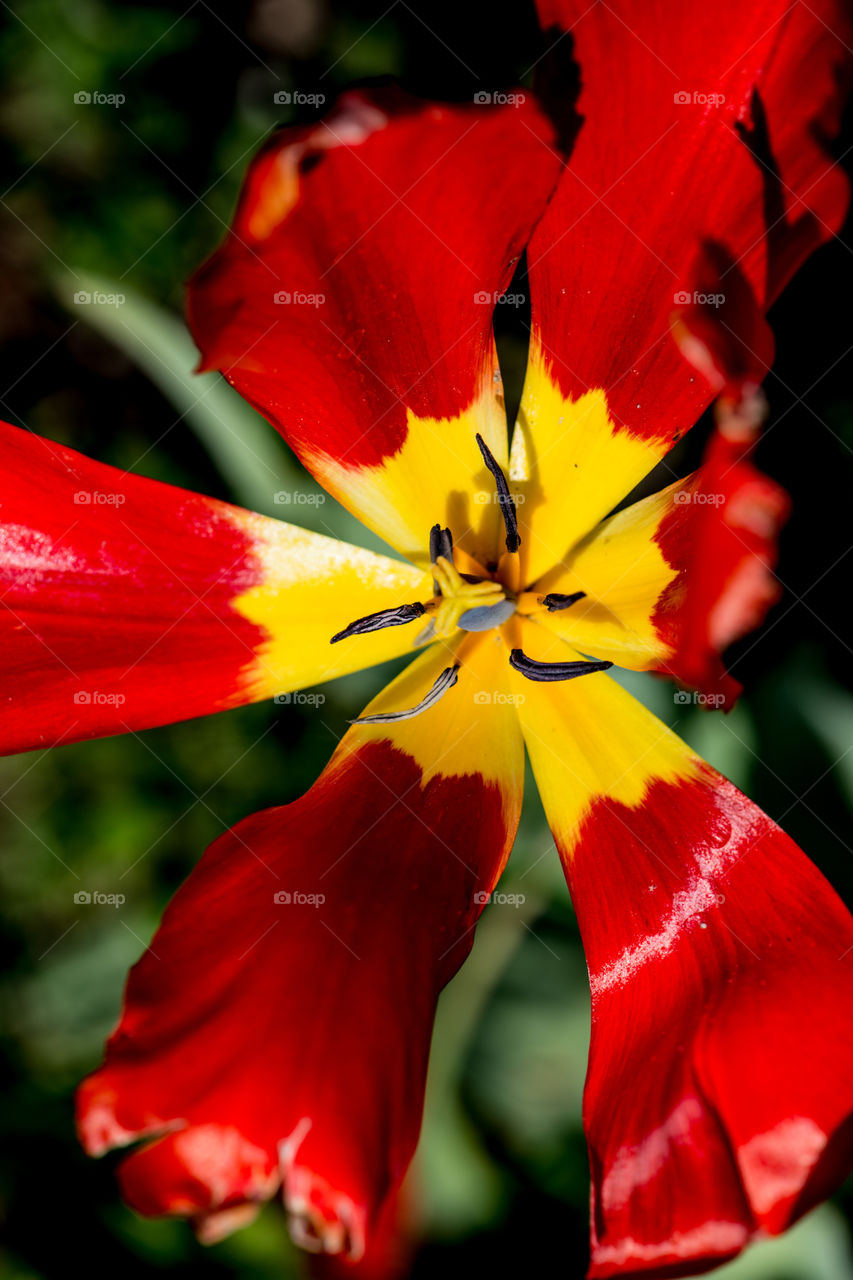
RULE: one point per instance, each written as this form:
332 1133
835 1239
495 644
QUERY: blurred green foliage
136 195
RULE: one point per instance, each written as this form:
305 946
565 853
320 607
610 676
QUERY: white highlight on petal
689 903
33 553
712 1239
704 891
775 1165
635 1166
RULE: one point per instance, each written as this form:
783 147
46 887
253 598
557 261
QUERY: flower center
464 602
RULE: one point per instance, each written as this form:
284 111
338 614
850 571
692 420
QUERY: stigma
462 604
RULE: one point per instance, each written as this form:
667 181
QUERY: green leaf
828 711
459 1187
726 741
259 469
247 452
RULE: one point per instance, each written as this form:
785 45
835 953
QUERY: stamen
507 505
554 601
534 670
445 681
395 617
440 544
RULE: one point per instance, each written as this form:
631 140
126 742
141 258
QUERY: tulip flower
274 1038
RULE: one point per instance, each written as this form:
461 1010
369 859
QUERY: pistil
459 599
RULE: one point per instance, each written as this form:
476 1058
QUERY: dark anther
445 681
553 602
376 621
440 544
553 670
513 541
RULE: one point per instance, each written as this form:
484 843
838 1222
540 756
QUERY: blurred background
126 198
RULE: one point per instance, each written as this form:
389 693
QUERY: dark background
133 197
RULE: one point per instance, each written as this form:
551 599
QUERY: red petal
389 1253
116 598
722 1055
725 551
720 1080
738 169
721 330
288 1038
402 220
125 603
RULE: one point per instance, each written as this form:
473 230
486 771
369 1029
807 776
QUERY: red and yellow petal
277 1032
710 140
387 231
126 603
674 579
719 1082
631 569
